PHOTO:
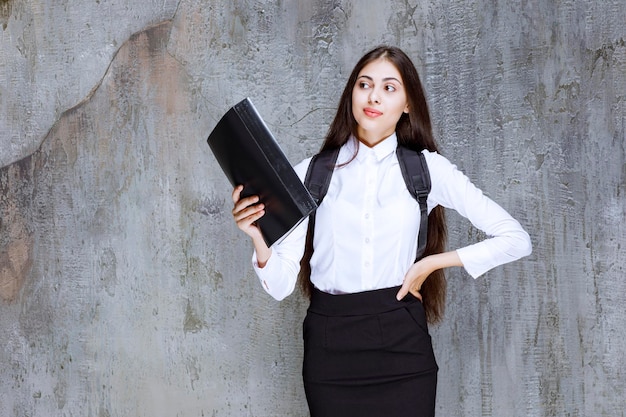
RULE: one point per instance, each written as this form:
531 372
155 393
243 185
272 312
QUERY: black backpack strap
417 178
317 181
320 172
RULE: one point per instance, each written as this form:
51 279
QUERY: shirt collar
380 151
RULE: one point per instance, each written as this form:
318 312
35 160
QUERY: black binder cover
249 155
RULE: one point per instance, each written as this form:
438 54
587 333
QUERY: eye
390 88
364 85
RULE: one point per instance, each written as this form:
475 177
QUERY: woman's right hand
246 212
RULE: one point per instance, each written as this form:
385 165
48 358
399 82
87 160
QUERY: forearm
420 270
263 253
277 267
443 260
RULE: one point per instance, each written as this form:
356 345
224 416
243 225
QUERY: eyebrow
384 79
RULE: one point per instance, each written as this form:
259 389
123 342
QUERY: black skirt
367 354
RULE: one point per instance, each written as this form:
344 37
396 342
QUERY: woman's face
378 101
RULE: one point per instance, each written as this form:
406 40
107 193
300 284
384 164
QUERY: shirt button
367 215
367 240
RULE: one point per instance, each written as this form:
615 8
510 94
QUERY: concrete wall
126 289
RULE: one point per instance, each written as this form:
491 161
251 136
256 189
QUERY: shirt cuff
264 272
475 259
270 279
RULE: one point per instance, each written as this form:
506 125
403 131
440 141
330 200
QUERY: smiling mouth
371 112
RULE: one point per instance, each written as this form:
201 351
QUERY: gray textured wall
126 289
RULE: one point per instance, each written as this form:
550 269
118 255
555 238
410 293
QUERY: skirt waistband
360 303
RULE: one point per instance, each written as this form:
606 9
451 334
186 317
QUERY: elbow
519 245
525 245
278 293
279 296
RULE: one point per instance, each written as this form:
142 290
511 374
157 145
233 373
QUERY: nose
374 97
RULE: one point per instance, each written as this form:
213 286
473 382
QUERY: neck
371 139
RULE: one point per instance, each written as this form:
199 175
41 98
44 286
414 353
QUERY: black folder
248 154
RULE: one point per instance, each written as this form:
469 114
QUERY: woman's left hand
414 278
420 270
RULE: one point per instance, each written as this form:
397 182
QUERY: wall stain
604 55
108 270
212 206
192 322
193 370
15 261
16 240
6 7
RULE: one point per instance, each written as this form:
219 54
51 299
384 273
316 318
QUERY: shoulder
444 173
345 155
437 162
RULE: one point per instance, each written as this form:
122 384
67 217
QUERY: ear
406 108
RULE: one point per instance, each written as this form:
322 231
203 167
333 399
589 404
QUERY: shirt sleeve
280 274
507 241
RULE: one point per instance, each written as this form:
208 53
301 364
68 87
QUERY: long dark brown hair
414 130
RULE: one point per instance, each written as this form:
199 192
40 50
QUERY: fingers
244 206
416 293
237 193
409 286
246 211
414 279
405 289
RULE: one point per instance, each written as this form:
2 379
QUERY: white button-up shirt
367 225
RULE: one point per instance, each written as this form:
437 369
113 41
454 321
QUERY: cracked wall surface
53 53
126 289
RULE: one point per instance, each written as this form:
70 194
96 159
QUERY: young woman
367 347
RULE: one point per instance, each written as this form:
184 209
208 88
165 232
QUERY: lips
369 112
